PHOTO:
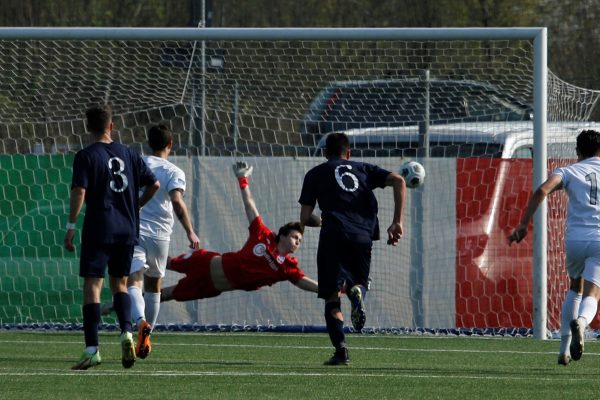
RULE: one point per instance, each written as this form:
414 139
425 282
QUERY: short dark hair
159 137
287 228
588 143
99 118
336 144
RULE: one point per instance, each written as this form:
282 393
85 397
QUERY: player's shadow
553 369
206 362
37 360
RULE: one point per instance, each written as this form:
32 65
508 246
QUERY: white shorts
583 260
150 254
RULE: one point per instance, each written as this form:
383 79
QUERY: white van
474 139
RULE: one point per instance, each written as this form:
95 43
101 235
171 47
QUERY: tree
573 27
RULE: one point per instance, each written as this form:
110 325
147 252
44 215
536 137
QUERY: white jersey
156 217
580 181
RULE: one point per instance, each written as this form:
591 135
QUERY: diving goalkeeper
266 258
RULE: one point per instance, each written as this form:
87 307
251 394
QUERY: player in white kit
156 225
582 240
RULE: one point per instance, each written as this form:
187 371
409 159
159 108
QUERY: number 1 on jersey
593 188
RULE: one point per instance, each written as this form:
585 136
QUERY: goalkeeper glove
242 171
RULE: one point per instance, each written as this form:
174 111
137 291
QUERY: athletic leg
119 266
198 282
156 259
589 302
576 252
570 308
134 288
334 321
186 262
122 305
166 293
357 262
152 299
330 280
92 288
92 267
135 280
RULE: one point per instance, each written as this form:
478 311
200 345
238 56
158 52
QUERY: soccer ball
413 173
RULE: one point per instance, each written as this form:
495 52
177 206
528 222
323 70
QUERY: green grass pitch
36 364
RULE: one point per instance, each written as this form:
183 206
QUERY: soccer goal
477 107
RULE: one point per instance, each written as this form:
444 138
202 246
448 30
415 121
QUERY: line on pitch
279 374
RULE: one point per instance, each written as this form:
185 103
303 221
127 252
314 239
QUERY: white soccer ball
413 173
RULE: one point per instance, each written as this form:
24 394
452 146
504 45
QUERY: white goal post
537 36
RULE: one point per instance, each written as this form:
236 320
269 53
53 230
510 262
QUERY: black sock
122 306
91 320
335 327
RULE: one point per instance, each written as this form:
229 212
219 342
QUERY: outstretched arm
308 284
396 230
181 211
242 171
554 182
249 204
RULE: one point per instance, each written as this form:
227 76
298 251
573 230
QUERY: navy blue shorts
95 258
342 261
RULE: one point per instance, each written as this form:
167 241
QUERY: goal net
463 108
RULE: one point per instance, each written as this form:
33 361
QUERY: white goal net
467 104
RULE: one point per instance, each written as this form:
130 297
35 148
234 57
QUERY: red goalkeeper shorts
197 283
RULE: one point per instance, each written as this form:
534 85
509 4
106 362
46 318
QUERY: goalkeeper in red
266 258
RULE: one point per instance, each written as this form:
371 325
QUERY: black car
402 102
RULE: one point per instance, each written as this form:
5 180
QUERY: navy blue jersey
344 191
112 175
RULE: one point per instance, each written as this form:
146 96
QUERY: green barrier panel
39 279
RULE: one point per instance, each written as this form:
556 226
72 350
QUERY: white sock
152 307
570 310
137 304
91 349
588 308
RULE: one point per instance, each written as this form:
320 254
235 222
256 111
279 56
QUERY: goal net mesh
270 103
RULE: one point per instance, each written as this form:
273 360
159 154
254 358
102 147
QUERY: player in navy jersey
343 190
582 240
107 176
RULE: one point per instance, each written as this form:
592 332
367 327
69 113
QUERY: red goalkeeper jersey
258 263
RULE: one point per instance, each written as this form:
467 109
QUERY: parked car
473 139
348 105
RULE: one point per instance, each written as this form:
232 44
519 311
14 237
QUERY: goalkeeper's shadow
206 362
